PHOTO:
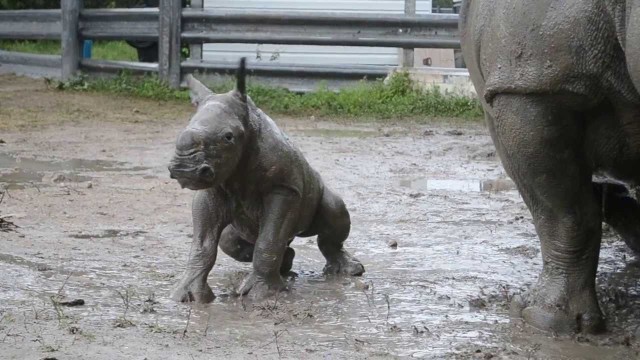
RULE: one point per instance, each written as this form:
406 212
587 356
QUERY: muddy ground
98 219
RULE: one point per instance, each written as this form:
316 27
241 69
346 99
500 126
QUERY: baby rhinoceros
255 193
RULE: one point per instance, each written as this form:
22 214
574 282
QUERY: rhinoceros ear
241 80
197 91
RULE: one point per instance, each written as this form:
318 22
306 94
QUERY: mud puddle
16 171
459 185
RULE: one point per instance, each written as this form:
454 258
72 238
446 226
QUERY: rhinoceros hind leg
332 224
538 139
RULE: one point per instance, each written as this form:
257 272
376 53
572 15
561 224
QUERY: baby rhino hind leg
232 244
332 225
622 212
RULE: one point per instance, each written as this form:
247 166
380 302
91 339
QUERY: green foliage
397 99
102 50
88 4
125 84
55 4
29 4
146 87
443 3
113 50
31 46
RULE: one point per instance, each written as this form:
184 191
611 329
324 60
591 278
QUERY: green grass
148 86
114 50
32 47
398 99
102 50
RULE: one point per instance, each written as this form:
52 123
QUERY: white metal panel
305 54
301 54
348 6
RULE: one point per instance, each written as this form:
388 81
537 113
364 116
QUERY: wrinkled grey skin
559 83
255 192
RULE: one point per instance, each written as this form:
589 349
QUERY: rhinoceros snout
171 172
194 178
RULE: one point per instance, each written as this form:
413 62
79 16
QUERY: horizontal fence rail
278 28
30 24
373 72
120 24
321 29
47 66
114 66
38 60
171 27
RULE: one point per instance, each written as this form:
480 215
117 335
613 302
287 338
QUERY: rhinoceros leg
234 245
208 221
622 212
332 225
281 209
541 146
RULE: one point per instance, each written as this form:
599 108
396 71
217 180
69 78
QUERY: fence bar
407 53
112 66
70 38
304 28
330 19
195 50
387 41
169 42
38 60
120 24
30 24
200 25
359 72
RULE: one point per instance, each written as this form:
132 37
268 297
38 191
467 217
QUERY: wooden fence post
407 54
70 38
169 42
195 50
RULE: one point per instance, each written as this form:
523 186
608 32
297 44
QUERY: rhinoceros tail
241 81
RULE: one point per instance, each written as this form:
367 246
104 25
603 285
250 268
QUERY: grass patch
148 86
47 47
397 99
101 50
114 50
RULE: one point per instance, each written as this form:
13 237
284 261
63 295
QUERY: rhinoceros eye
228 136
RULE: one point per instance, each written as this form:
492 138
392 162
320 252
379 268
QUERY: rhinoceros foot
550 307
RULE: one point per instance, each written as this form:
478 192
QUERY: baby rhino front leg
208 221
281 210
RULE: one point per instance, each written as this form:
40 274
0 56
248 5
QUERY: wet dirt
15 171
118 238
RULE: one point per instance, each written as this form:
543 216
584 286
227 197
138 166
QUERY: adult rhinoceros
559 81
